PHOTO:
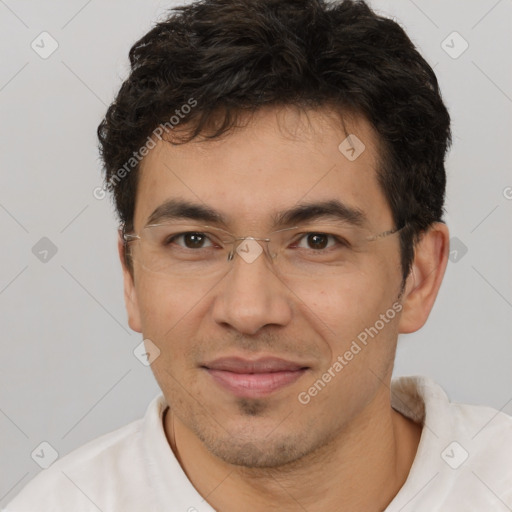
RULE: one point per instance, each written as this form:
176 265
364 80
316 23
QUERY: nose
251 295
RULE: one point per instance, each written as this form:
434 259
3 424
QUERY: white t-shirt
463 463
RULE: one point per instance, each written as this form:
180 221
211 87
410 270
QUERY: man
278 170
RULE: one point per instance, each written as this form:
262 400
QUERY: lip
254 378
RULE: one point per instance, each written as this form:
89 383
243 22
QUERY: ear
423 283
130 294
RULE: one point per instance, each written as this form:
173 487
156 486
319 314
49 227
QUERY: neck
361 469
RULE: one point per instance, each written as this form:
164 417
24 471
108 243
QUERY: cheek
171 314
351 306
349 296
167 306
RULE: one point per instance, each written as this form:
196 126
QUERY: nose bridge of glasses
249 248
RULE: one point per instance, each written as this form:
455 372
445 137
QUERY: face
302 335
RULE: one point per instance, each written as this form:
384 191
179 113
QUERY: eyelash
339 241
173 238
301 236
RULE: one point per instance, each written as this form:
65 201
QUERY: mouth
254 379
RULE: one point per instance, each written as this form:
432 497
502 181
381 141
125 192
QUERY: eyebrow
326 210
335 210
176 209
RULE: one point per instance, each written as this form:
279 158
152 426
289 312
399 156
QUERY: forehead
278 159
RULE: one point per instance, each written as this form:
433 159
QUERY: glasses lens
188 250
318 250
182 250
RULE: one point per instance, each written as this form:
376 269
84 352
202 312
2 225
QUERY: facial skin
274 451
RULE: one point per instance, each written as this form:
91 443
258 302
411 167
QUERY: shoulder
475 458
484 430
485 434
87 478
464 458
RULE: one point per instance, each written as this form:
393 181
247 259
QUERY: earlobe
130 293
425 277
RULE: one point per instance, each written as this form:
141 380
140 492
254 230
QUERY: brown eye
194 240
320 242
317 241
191 240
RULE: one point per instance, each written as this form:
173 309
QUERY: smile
254 379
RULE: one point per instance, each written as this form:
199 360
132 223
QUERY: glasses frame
237 240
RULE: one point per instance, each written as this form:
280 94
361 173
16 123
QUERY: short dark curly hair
232 57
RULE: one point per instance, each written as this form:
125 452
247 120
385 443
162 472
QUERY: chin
256 454
250 456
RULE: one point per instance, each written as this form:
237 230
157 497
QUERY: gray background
68 373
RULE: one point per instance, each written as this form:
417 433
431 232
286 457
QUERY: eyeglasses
187 250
